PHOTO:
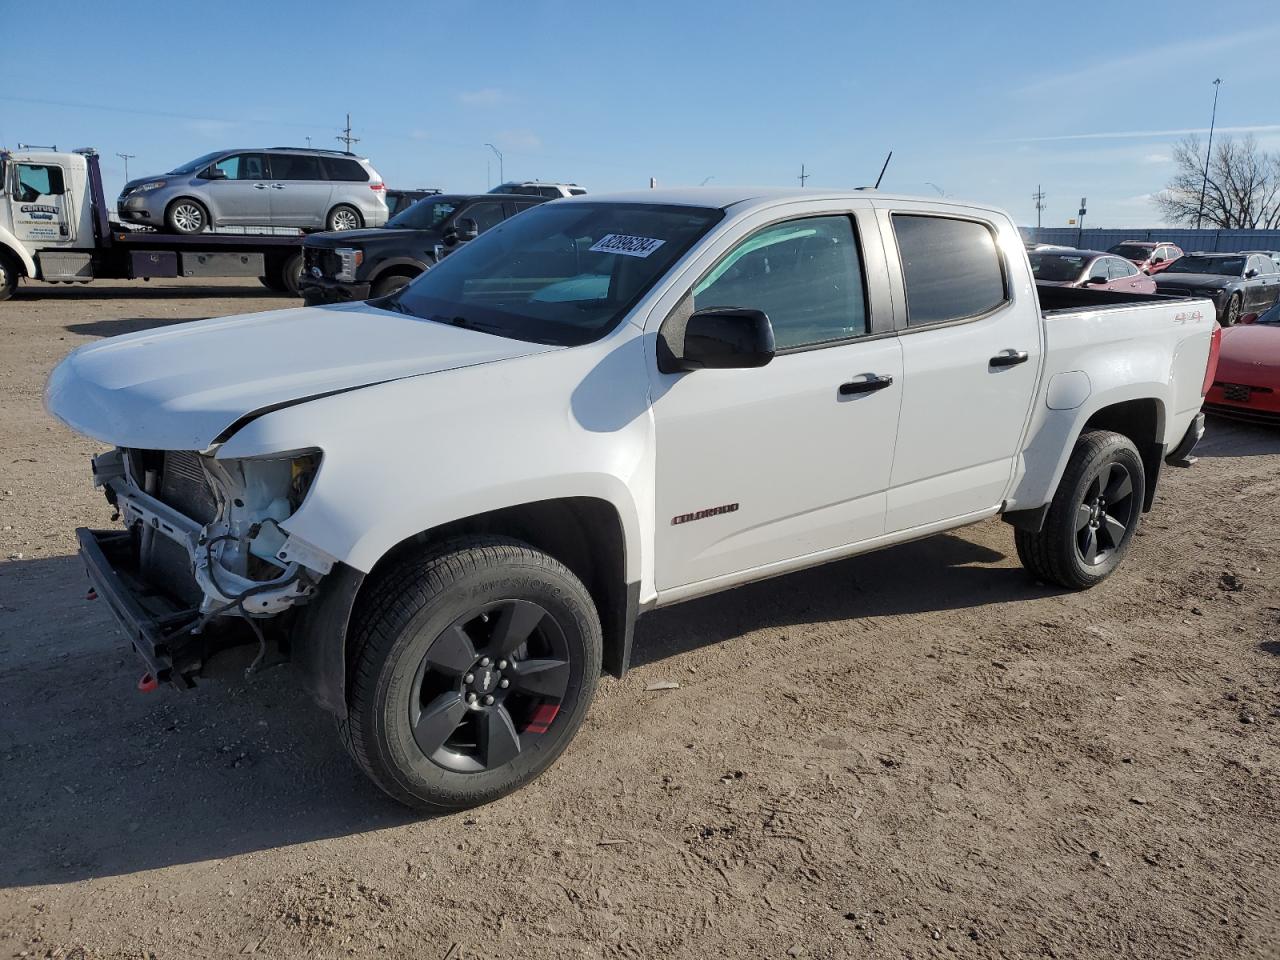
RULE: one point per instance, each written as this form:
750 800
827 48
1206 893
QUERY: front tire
344 217
8 277
474 665
385 286
186 216
1232 313
1093 516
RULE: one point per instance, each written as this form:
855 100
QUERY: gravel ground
918 753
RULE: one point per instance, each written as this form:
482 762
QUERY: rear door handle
259 186
277 186
1010 358
865 386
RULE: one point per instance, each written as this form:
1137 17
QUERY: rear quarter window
951 268
344 168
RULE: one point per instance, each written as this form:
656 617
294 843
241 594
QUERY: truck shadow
147 291
102 781
944 572
119 325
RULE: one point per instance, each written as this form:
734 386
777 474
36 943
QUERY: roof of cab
724 197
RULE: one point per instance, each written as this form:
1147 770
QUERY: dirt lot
917 753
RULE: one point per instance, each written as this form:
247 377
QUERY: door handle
277 186
1010 358
259 186
865 386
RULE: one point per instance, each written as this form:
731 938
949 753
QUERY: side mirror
1250 273
719 339
1096 280
467 230
1155 260
214 173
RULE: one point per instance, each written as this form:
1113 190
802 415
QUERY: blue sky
981 100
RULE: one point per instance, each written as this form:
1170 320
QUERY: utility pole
126 157
502 177
1204 184
1038 197
803 176
308 142
1084 205
346 137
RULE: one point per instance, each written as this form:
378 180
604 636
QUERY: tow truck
55 226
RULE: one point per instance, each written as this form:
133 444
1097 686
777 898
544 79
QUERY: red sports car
1247 383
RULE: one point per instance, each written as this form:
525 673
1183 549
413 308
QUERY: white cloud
1157 158
488 97
1140 134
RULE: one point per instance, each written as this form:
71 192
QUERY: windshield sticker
627 246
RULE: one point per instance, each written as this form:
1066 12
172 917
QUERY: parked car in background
1273 254
398 200
278 186
537 188
1088 268
1236 282
1148 256
357 265
1247 383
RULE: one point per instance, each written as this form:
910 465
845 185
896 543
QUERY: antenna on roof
882 170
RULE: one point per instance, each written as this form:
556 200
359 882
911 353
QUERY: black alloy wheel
1104 514
491 684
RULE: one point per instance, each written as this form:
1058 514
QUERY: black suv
359 264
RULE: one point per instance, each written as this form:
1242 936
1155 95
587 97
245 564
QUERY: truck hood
182 387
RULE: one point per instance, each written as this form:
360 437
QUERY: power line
1038 197
346 137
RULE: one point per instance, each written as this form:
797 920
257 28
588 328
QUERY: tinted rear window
951 268
344 168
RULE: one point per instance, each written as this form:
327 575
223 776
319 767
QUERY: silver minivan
277 186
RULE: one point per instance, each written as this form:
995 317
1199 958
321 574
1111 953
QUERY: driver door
40 203
756 467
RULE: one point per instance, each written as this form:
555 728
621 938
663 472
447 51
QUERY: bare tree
1242 191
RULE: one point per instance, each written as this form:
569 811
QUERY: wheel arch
587 534
398 266
10 246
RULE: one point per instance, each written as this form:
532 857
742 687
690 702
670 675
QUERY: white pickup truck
448 506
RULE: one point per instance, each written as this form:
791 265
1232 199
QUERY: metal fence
1221 241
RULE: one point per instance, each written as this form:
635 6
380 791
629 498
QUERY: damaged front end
203 547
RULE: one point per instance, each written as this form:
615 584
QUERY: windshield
1222 266
423 215
1131 251
1270 316
1057 266
562 274
199 163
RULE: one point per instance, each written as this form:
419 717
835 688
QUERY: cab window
806 275
243 166
35 180
951 268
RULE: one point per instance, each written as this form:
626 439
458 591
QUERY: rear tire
385 286
344 217
186 216
1093 516
472 668
289 275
